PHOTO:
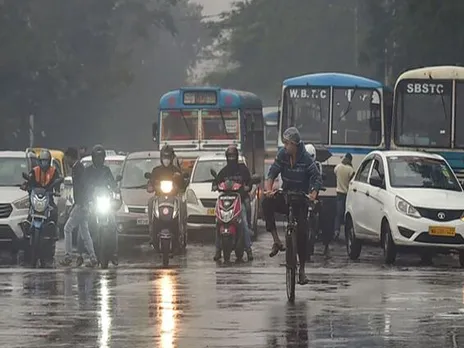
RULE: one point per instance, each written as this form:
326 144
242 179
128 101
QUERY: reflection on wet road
201 304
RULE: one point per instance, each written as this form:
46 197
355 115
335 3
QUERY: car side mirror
376 181
118 177
213 173
154 130
147 176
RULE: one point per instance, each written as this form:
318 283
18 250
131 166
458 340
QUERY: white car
14 203
201 201
405 200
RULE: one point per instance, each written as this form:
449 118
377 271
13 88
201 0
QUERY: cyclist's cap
292 135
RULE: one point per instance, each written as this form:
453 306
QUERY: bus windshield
308 110
356 117
220 124
179 125
423 113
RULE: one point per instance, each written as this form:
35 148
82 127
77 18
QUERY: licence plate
142 221
442 231
211 211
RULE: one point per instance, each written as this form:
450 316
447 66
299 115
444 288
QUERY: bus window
219 125
459 127
356 117
179 125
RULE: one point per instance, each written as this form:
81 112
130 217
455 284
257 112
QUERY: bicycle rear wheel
291 263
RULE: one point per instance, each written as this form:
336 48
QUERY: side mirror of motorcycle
255 179
213 173
147 176
118 178
25 176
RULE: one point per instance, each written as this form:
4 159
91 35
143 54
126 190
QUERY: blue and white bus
428 113
337 112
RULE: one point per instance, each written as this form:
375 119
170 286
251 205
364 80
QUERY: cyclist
299 173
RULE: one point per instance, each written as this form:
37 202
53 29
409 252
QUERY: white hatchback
405 200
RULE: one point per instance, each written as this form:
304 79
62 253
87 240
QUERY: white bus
428 113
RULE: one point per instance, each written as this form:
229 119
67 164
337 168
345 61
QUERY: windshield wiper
348 107
135 187
224 123
442 99
186 123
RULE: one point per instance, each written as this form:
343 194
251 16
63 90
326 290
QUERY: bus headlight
166 186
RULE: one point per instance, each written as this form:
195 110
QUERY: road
197 303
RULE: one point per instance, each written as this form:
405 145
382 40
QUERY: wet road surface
197 303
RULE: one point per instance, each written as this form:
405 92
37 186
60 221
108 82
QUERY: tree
268 40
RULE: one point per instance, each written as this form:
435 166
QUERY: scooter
39 231
167 219
228 216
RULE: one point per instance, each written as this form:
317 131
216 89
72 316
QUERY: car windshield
421 172
11 170
133 175
202 170
114 165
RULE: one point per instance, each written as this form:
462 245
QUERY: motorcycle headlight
39 205
103 204
166 186
22 203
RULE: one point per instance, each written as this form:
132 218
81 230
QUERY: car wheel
461 258
389 247
353 245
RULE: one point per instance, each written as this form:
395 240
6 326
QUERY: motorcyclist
168 170
237 172
42 176
99 175
299 173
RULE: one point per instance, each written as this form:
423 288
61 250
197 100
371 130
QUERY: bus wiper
348 107
442 99
186 123
224 124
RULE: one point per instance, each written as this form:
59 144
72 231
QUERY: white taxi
407 201
201 201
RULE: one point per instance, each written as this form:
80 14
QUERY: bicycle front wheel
290 258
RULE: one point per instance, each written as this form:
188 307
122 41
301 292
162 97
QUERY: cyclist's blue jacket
303 176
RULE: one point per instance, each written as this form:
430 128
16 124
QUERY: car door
377 197
358 199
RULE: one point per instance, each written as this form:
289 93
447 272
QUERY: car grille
6 233
137 210
208 203
328 175
424 237
432 214
5 210
459 173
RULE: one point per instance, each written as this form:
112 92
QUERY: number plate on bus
442 231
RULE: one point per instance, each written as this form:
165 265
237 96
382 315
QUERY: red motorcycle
228 216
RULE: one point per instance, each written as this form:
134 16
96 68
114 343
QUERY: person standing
79 214
344 172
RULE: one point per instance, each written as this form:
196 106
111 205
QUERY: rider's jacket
161 172
235 172
303 175
42 179
99 177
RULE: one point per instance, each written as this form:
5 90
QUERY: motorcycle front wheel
165 249
103 249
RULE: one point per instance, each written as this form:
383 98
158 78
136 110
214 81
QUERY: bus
426 108
197 119
337 113
270 131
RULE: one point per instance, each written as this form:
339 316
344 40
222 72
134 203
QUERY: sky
211 7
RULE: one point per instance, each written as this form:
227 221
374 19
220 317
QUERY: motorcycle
38 229
103 231
167 220
228 216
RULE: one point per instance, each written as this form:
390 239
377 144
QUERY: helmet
167 155
232 154
311 150
45 159
98 155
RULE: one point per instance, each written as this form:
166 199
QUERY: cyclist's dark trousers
276 204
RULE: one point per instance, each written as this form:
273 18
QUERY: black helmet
167 155
232 154
45 159
98 155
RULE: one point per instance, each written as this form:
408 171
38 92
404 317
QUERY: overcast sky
214 6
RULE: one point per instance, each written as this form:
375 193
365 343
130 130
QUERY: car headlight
166 186
404 207
22 203
103 204
39 205
191 198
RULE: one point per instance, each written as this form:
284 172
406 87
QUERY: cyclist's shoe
249 253
337 235
327 251
217 256
79 261
302 279
66 262
276 247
